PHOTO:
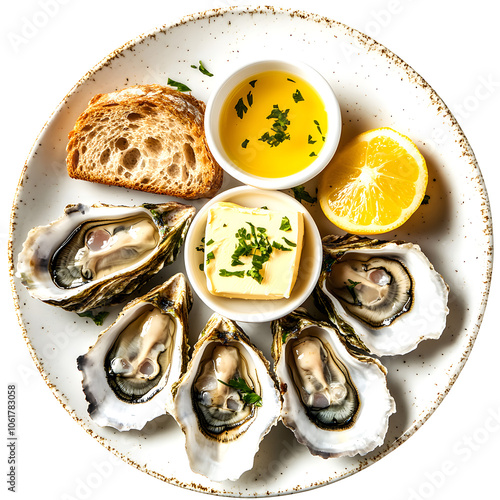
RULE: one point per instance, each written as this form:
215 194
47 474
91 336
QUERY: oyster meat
96 255
128 374
226 402
335 400
384 296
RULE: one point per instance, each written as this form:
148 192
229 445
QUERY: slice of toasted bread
146 137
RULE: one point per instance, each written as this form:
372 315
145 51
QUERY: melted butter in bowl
273 124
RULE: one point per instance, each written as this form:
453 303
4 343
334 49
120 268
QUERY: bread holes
189 156
133 117
130 159
173 170
104 158
121 143
153 146
145 180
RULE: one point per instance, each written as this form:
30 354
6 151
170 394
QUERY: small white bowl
226 84
255 311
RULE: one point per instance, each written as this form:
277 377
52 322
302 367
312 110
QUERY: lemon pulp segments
375 183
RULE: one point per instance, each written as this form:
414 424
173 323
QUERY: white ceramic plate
375 88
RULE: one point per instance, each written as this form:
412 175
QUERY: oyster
129 372
226 402
335 400
384 296
96 255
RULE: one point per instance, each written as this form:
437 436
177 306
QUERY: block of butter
252 253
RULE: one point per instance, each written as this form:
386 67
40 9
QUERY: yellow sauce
283 144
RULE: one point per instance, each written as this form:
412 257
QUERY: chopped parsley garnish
244 144
279 246
210 256
297 96
426 199
201 267
289 243
250 99
249 396
204 70
319 129
240 108
97 318
300 194
181 87
309 140
285 224
226 273
313 154
255 244
255 274
252 83
290 80
352 284
279 127
209 242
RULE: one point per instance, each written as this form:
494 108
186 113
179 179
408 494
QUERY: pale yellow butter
279 272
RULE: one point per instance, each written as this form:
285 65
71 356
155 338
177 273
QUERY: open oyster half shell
335 400
223 424
96 255
129 372
385 297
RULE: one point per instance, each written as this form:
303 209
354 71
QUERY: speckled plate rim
371 45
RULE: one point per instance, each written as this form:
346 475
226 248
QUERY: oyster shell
384 296
96 255
129 372
222 422
335 400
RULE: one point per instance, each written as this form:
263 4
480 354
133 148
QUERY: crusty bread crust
145 137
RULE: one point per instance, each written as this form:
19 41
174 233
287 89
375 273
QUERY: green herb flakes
249 396
351 286
279 127
97 318
279 246
252 83
297 96
181 87
225 273
300 193
240 108
210 256
285 224
204 70
244 144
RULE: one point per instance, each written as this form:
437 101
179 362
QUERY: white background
453 44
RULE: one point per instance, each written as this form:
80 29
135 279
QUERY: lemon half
374 184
